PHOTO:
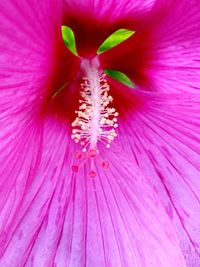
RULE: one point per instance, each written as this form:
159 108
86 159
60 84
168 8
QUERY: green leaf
69 39
120 77
114 39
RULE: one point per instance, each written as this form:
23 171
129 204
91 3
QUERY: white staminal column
91 72
96 120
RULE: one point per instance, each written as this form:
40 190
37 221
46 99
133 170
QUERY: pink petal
163 55
34 62
31 60
164 139
107 10
114 220
49 216
25 55
32 55
32 197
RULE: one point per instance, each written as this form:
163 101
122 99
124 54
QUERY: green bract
69 39
114 39
119 76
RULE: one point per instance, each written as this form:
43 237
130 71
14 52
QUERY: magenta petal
164 138
51 217
176 47
32 55
109 222
26 51
63 219
108 10
35 197
30 46
28 35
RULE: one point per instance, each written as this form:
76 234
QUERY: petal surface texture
164 141
143 211
31 54
115 220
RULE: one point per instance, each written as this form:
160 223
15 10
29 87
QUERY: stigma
96 120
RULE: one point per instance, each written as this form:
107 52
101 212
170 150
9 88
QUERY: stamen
96 121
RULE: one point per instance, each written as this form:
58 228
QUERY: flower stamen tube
96 121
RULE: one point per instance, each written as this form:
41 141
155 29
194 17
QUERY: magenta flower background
144 210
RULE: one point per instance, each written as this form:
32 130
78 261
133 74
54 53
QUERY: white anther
95 121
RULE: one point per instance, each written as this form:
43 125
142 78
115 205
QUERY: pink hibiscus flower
130 196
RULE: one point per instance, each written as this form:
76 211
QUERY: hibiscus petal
163 55
102 9
164 138
27 206
113 224
113 220
41 190
32 54
31 48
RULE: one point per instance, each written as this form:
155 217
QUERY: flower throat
96 121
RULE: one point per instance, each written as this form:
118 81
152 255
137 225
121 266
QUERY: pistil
96 120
